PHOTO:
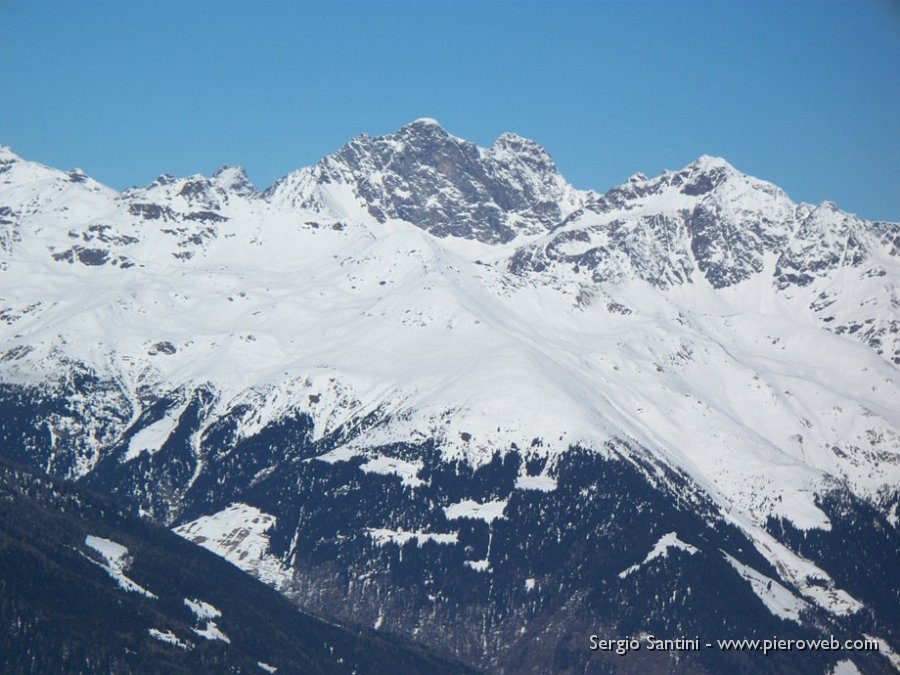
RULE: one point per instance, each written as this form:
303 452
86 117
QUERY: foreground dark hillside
62 612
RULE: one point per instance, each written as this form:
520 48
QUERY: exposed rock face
443 184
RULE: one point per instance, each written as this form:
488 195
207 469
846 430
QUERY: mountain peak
233 179
446 185
705 174
706 163
528 160
7 156
161 179
423 126
511 138
425 121
519 145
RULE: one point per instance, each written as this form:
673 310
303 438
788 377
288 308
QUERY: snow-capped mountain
441 183
476 365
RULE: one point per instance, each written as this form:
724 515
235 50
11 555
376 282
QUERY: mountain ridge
414 308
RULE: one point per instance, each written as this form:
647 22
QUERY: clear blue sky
805 94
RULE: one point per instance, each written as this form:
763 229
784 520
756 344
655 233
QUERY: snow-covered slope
415 289
694 312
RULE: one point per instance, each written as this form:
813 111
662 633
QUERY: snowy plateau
434 389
